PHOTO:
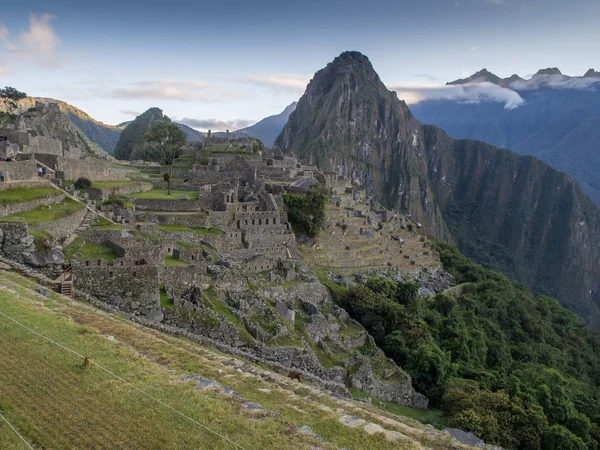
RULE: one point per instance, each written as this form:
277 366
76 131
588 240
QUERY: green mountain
509 212
131 141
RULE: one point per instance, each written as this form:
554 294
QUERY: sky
229 63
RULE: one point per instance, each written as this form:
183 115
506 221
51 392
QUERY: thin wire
15 430
126 382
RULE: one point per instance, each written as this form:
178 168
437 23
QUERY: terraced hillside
354 242
147 389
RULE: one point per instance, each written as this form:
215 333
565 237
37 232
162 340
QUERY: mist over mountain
557 120
507 211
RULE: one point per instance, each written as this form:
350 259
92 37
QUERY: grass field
55 402
117 184
18 195
197 230
161 194
46 213
87 250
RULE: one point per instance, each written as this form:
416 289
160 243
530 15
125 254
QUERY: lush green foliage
18 195
131 143
306 212
83 183
517 370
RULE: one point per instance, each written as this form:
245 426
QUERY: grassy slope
75 407
89 251
197 230
18 195
46 213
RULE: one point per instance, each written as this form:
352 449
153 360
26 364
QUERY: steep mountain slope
268 128
106 136
555 121
510 212
191 135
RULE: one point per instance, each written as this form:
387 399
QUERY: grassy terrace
19 195
171 261
161 194
117 184
80 249
198 230
79 407
46 213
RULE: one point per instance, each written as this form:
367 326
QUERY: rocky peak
549 71
591 73
483 75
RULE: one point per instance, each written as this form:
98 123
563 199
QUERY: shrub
83 183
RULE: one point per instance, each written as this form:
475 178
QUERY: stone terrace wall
180 275
189 220
104 193
15 208
15 241
38 182
19 170
144 204
64 227
131 288
96 236
71 169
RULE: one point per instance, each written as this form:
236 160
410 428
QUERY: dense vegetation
517 370
306 213
131 143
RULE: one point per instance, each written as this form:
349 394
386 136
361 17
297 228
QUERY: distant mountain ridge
267 129
558 120
507 211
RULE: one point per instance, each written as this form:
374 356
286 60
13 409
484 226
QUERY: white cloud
287 82
39 44
216 124
185 90
4 71
129 112
472 48
555 82
467 93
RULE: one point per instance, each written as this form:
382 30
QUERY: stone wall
105 193
19 170
71 169
15 208
64 227
145 204
188 220
180 275
133 289
15 241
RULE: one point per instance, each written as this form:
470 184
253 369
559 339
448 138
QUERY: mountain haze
506 211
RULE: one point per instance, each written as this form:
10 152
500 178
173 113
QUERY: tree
167 138
11 97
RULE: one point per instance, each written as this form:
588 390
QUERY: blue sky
226 64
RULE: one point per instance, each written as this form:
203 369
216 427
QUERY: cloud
288 82
163 90
472 48
39 44
495 2
129 112
216 124
555 82
4 71
428 77
467 93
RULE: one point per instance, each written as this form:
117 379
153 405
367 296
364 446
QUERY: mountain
482 76
191 135
557 122
267 129
507 211
106 136
131 141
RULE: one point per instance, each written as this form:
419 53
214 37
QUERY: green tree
11 97
559 438
167 138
